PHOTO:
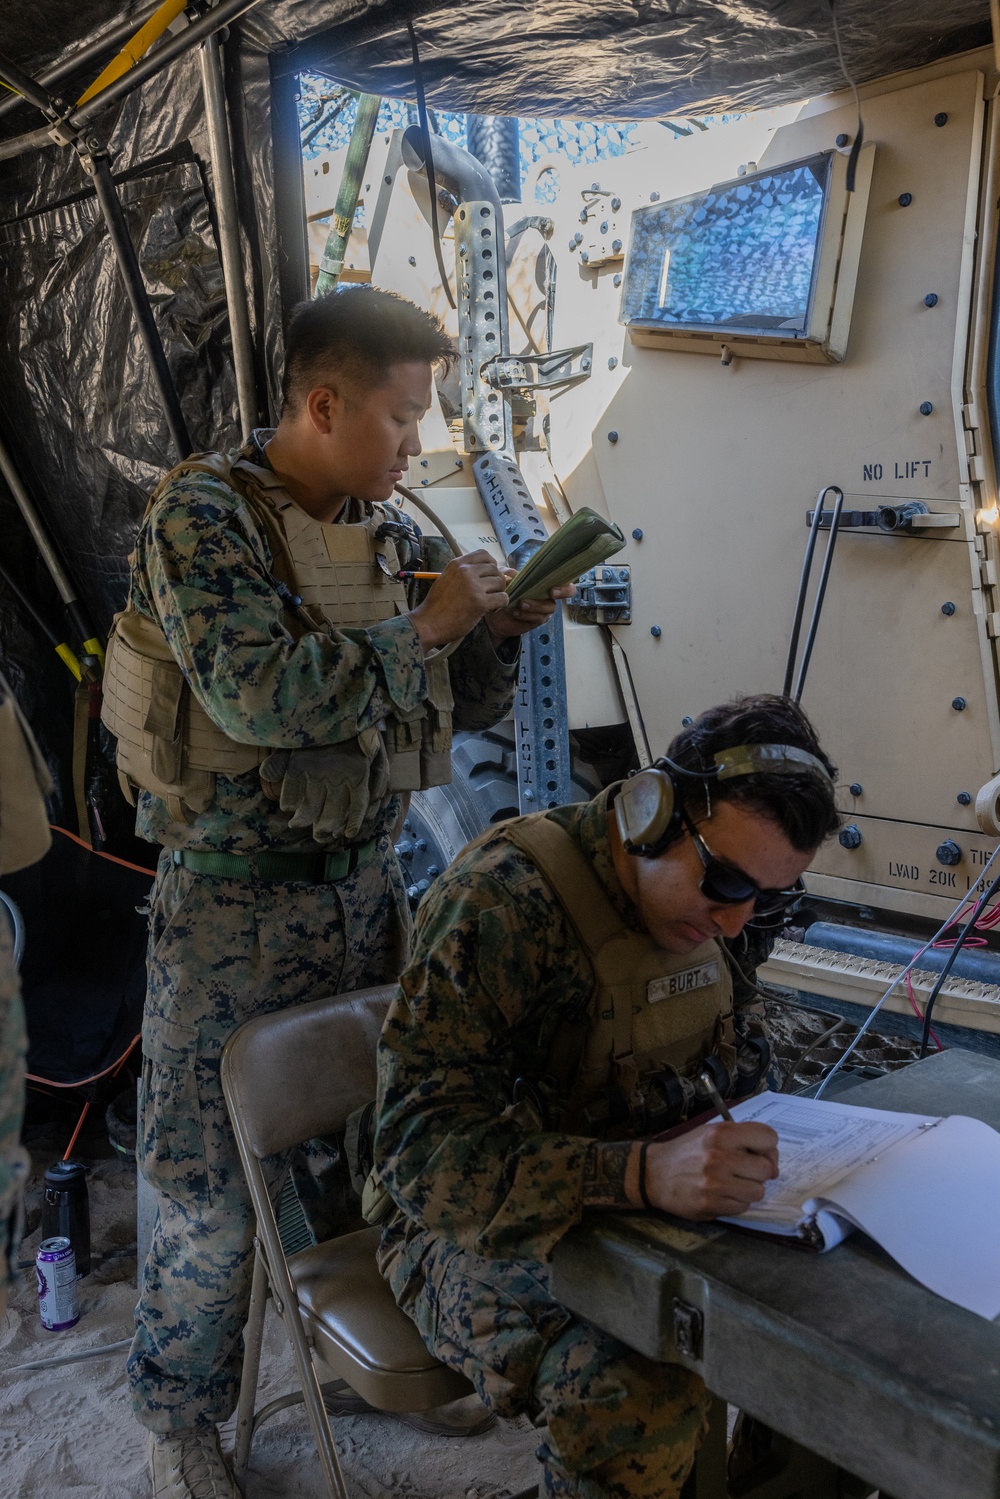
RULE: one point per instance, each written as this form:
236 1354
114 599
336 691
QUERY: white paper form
934 1205
818 1144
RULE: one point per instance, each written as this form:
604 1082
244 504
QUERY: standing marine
568 988
276 691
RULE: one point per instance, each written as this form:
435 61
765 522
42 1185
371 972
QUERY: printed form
926 1189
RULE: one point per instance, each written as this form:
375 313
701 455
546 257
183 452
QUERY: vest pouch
167 744
402 744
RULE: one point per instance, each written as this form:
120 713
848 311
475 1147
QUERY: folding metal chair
289 1077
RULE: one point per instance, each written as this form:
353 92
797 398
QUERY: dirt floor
68 1432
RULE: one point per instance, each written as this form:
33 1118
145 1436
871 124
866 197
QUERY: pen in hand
716 1096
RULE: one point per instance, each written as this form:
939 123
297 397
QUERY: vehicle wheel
482 791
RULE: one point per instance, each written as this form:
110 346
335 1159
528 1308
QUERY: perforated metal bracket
482 297
540 729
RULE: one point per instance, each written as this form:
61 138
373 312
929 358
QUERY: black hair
800 802
358 332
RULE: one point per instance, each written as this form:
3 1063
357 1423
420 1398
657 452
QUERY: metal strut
540 723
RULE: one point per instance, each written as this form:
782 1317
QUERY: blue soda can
55 1265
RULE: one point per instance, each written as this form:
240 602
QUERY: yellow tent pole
136 47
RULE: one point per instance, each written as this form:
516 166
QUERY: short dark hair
800 802
358 332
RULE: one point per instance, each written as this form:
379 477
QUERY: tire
482 791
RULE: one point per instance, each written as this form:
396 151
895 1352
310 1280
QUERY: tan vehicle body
716 456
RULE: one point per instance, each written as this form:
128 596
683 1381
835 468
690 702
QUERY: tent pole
71 61
227 217
99 168
67 592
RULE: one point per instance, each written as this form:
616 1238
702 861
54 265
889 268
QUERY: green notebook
584 541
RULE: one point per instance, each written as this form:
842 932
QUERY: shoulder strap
249 482
569 872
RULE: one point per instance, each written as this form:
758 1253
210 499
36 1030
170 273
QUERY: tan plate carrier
167 743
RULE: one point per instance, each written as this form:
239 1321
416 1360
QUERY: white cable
903 972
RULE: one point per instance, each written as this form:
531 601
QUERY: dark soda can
55 1265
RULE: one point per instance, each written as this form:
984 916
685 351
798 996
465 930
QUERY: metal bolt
595 187
958 703
949 852
940 119
842 140
423 463
616 247
433 870
421 845
583 215
654 197
412 894
931 299
425 482
413 260
572 243
387 179
459 463
948 608
616 279
904 200
604 227
963 798
926 408
850 837
856 788
584 256
585 362
612 435
612 362
637 533
655 631
686 721
529 795
616 203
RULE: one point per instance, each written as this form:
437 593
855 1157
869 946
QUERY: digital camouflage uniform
224 950
483 1194
24 838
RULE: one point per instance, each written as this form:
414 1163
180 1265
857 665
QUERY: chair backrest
298 1073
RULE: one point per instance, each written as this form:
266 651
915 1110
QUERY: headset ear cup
647 809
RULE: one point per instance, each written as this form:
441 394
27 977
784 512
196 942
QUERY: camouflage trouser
618 1426
220 952
13 1160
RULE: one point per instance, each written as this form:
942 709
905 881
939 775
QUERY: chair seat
361 1333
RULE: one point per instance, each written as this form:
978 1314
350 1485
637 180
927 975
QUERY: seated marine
569 985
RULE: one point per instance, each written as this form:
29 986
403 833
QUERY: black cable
983 901
425 135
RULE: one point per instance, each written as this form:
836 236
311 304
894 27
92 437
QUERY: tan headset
648 804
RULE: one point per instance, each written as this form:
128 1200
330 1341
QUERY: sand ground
68 1433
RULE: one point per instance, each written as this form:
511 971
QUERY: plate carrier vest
167 743
653 1019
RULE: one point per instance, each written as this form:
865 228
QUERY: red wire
111 858
988 919
79 1127
82 1081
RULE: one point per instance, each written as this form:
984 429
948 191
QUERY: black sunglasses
728 886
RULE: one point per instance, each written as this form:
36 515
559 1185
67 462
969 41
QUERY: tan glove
331 787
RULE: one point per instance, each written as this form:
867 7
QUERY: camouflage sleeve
13 1044
483 676
490 970
202 570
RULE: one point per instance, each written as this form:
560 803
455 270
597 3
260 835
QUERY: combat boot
188 1465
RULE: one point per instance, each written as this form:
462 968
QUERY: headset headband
648 805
